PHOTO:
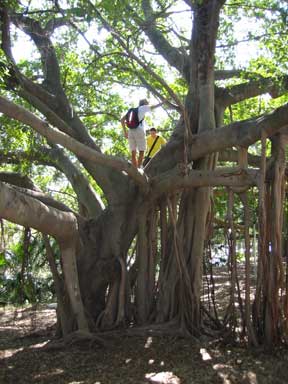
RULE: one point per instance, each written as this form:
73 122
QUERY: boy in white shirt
136 136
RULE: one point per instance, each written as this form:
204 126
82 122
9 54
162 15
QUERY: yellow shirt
150 140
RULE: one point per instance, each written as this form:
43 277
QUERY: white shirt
142 110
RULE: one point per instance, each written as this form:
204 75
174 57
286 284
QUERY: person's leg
140 158
141 144
132 147
134 159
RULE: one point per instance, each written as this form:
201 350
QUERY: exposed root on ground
76 338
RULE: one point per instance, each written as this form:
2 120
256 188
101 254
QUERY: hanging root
186 294
121 300
2 237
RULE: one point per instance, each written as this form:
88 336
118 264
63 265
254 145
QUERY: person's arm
157 105
162 140
124 126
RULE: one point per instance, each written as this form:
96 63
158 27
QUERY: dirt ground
26 333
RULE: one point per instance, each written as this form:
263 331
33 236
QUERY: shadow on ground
126 359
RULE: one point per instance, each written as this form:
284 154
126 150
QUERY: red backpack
131 118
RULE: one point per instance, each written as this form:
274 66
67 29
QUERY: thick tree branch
29 212
173 181
23 184
85 193
17 179
55 157
240 92
47 200
16 112
243 133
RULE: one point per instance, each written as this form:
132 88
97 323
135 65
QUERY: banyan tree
137 249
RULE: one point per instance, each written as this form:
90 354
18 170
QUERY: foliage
32 284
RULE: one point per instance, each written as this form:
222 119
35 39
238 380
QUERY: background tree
114 269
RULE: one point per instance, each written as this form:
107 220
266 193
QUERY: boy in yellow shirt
152 148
